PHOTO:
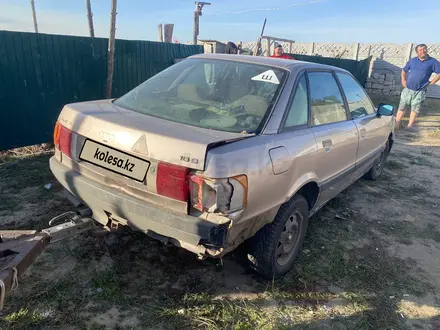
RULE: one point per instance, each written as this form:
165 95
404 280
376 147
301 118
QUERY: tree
90 18
34 16
111 50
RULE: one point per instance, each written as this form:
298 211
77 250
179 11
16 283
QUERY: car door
336 136
373 130
298 139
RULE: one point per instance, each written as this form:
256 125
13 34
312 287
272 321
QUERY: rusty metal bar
7 235
20 248
25 252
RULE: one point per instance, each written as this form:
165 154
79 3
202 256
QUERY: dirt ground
371 260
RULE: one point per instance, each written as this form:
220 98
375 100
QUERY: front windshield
214 94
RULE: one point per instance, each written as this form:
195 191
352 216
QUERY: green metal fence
39 73
359 69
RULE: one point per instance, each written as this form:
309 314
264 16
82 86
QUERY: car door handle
327 144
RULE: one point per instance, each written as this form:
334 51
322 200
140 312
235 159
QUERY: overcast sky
395 21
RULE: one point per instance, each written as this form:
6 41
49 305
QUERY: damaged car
218 150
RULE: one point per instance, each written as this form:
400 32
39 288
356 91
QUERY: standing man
415 80
279 53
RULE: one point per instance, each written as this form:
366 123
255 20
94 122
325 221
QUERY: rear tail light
62 138
218 195
56 135
172 181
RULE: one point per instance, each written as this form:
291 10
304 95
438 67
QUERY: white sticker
268 76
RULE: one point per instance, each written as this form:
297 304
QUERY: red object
172 181
63 139
196 191
283 56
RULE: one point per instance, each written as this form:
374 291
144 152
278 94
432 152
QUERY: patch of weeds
26 319
10 203
27 172
435 133
405 231
285 291
427 152
395 165
411 137
421 161
431 232
47 304
412 190
204 312
417 188
106 285
230 314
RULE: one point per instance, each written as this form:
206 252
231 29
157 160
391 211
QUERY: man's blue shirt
420 72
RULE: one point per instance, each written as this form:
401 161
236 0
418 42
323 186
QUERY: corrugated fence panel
40 73
359 69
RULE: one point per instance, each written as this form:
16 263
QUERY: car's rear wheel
273 249
376 170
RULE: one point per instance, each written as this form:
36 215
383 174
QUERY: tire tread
260 244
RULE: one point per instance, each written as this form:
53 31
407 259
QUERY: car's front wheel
273 249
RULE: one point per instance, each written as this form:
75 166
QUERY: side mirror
385 110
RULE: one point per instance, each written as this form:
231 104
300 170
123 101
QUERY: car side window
327 104
358 102
298 111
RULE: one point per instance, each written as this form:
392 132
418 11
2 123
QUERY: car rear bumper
192 233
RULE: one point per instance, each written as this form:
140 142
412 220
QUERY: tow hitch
20 248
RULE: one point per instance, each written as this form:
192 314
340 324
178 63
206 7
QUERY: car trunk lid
146 137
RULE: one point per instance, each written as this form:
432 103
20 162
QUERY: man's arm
403 78
435 80
436 69
405 70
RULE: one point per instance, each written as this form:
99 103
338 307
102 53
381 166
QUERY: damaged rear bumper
192 233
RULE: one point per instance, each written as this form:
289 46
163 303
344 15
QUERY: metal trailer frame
22 247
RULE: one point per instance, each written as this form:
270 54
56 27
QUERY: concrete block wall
388 59
383 84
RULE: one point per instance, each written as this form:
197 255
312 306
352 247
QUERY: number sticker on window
267 76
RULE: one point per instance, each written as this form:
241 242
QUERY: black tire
264 251
376 170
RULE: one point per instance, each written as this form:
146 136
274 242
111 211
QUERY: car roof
276 62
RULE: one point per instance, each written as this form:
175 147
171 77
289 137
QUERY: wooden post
168 33
160 33
369 51
257 47
34 16
268 48
311 49
196 25
90 18
356 51
408 53
111 50
290 47
370 68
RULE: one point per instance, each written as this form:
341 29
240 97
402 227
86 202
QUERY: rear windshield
215 94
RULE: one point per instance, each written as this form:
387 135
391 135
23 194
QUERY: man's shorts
410 99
